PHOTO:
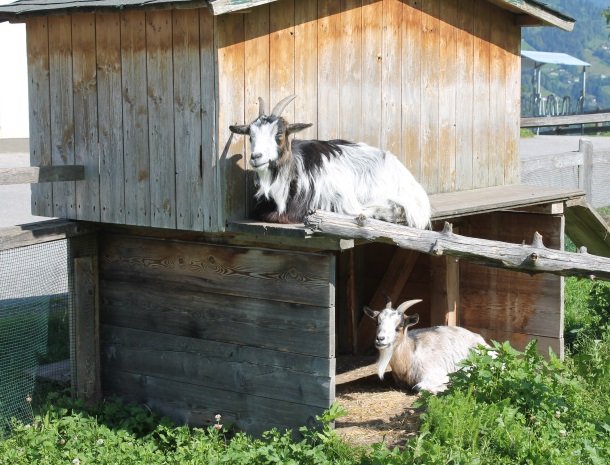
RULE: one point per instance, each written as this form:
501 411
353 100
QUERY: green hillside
588 41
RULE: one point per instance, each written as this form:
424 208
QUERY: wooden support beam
13 237
444 301
534 258
86 333
396 276
38 174
587 228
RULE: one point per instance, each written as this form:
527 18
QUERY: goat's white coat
423 358
354 179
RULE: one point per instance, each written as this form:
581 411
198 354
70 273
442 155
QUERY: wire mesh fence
35 325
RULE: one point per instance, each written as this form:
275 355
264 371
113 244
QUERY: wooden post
86 329
585 173
446 291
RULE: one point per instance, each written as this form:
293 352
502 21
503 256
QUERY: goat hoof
360 219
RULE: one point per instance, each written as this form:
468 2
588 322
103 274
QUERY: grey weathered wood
453 204
254 273
62 111
135 118
187 402
587 228
161 119
585 173
187 121
37 174
86 343
110 117
543 121
43 231
39 114
194 312
86 151
527 258
239 368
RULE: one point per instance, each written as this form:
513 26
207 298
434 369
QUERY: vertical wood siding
434 81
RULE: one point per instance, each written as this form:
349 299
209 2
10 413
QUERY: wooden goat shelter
203 310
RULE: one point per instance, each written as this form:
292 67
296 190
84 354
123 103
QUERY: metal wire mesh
35 313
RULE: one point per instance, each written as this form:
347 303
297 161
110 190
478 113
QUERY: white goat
295 178
420 359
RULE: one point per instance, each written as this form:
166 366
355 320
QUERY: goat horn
282 104
261 106
405 305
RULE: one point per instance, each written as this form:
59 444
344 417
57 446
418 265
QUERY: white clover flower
217 417
76 461
100 442
563 433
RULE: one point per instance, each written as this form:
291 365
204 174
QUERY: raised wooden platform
444 207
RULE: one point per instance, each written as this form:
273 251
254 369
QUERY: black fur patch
313 151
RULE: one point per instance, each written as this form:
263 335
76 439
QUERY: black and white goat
299 176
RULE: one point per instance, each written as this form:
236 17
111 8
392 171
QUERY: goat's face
392 323
269 135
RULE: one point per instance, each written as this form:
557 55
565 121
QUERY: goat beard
385 355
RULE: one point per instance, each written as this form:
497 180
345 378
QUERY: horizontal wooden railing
565 120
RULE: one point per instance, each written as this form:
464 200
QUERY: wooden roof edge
529 12
534 13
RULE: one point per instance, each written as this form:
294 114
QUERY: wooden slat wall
435 81
248 333
506 305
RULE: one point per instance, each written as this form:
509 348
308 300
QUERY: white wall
13 82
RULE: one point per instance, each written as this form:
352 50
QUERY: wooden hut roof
529 12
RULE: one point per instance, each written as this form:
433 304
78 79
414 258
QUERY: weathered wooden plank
453 204
41 232
306 65
135 118
391 79
545 121
372 33
187 121
236 368
465 83
110 117
192 403
86 343
329 80
482 75
229 39
412 87
194 312
531 259
281 54
512 45
587 228
430 102
159 65
351 114
498 96
448 114
40 114
38 174
257 273
209 136
62 111
86 151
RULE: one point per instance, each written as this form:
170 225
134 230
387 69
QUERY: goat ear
410 320
243 129
297 127
372 313
405 305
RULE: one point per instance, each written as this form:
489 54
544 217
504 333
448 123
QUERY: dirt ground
378 411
